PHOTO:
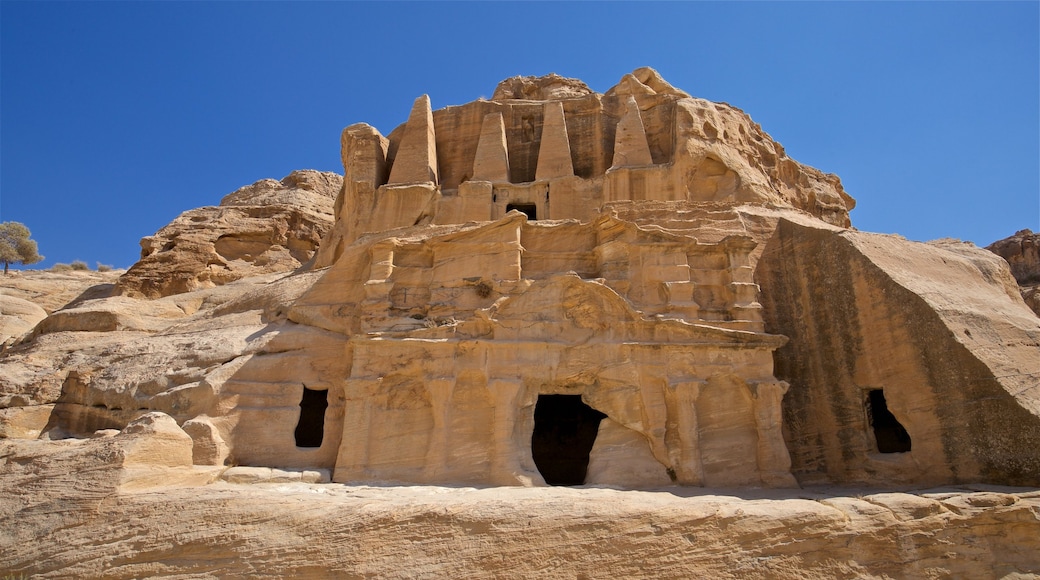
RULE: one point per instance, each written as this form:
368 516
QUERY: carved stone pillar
352 457
688 469
774 462
506 468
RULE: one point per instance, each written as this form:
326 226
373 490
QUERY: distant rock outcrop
269 226
1022 252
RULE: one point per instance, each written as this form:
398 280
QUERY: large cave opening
889 433
564 430
310 429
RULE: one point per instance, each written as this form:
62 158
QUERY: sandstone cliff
266 227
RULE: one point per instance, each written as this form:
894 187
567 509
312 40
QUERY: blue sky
117 116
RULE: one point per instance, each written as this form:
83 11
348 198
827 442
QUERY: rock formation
570 151
917 363
1022 252
85 508
28 296
265 227
635 289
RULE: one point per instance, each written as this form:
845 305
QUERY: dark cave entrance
564 430
528 209
890 435
310 430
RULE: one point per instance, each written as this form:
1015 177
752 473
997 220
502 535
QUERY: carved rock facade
556 157
464 336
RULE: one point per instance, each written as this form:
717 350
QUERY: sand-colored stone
52 290
67 511
700 152
266 227
492 159
17 316
554 151
416 159
630 146
1022 252
938 327
548 87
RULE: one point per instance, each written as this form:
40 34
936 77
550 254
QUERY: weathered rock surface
18 317
28 296
266 227
564 144
69 510
1022 252
937 328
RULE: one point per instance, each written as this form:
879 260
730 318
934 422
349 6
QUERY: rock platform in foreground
79 522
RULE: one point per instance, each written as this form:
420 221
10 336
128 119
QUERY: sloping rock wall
938 328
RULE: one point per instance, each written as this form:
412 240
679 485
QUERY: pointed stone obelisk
492 160
416 158
554 152
630 146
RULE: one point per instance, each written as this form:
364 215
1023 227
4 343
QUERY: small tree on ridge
15 245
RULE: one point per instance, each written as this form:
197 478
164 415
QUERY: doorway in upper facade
528 209
565 429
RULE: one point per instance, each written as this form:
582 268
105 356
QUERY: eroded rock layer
266 227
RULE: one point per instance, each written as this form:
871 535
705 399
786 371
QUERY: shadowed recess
890 435
528 209
310 430
564 430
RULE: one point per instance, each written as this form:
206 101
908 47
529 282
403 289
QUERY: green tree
15 245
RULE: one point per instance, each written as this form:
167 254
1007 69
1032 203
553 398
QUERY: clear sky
117 116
